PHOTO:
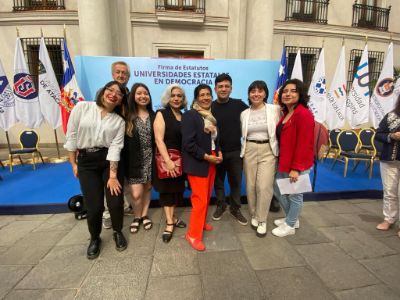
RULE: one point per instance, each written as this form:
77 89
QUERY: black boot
93 250
120 241
274 206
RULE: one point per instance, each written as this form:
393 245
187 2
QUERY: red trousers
201 194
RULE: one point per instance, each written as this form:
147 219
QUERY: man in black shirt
227 112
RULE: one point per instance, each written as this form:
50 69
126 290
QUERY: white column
259 29
237 29
95 27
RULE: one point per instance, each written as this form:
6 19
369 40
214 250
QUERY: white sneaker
283 230
262 229
279 222
254 223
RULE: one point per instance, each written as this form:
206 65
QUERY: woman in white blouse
95 137
259 152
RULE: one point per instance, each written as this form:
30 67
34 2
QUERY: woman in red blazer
295 132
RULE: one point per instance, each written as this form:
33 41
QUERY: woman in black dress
167 133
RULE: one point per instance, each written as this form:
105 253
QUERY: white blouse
86 129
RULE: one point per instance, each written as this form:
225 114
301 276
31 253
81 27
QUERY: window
315 11
367 14
31 51
197 6
309 58
375 64
23 5
182 54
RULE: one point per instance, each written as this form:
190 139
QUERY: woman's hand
395 136
114 186
294 175
75 169
171 168
212 159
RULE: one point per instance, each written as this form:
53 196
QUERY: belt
92 150
258 141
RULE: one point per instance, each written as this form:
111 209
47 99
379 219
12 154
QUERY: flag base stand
58 160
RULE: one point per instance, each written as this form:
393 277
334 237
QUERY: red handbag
162 170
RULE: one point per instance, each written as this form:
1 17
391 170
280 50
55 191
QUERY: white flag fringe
357 110
317 90
336 104
8 117
27 105
49 90
297 72
382 99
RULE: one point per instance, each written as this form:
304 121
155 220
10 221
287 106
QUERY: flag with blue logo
317 90
49 91
27 106
70 91
7 102
357 106
282 75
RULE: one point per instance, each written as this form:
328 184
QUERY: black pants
232 165
94 171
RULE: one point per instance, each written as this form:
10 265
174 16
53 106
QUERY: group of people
112 143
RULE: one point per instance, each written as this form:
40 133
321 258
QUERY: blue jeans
292 203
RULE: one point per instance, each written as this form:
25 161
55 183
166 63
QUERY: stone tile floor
336 254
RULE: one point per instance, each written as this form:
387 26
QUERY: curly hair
166 96
303 97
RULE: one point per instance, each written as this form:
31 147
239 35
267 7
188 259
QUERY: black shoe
274 206
237 214
93 250
219 211
167 234
120 241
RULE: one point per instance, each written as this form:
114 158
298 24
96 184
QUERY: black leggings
94 171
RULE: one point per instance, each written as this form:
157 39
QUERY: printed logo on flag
319 87
340 91
23 86
6 94
385 87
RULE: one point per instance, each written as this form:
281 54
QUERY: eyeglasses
115 92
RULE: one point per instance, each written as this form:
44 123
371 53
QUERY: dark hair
222 77
258 84
197 92
132 113
118 109
303 97
396 109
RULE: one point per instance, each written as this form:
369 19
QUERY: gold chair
28 140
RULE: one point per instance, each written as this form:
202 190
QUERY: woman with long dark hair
200 152
95 137
388 133
295 133
138 153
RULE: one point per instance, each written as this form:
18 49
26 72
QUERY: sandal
134 227
384 226
147 223
179 223
167 234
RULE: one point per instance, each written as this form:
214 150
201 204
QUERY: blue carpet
49 187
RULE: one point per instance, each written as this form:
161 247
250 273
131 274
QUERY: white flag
317 90
357 110
297 72
7 102
26 98
336 104
382 99
397 89
49 90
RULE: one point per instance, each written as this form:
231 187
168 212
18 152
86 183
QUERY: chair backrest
333 134
348 141
377 145
29 139
366 135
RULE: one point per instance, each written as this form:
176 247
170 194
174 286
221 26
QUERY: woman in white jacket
259 152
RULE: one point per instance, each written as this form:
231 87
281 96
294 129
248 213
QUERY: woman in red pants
200 153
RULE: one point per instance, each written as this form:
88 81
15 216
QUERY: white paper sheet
302 185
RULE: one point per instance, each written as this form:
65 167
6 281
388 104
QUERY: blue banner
157 73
